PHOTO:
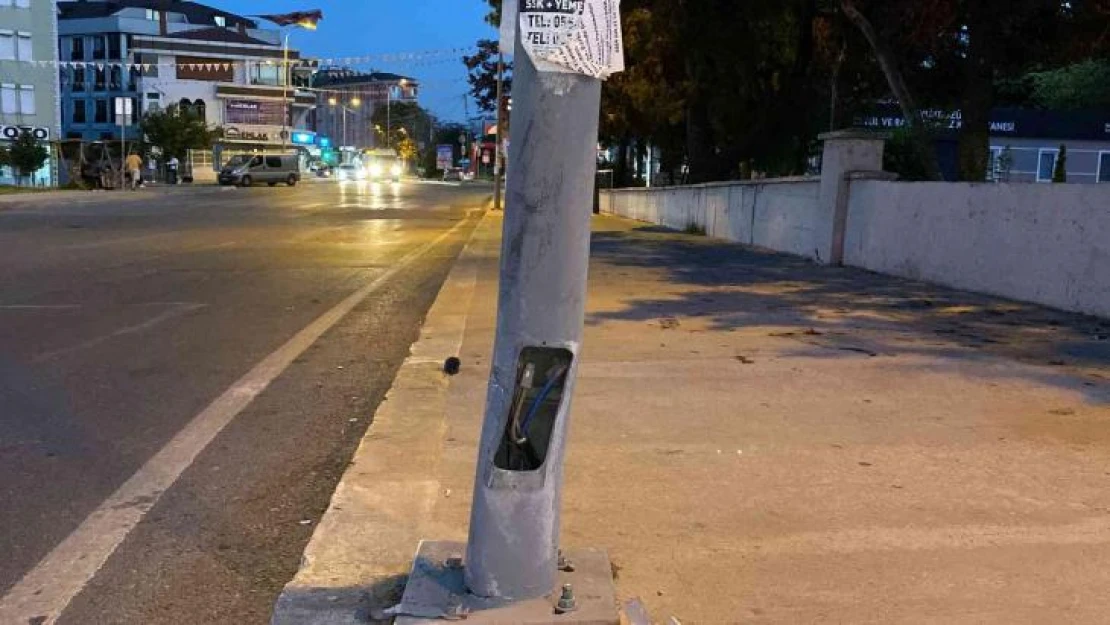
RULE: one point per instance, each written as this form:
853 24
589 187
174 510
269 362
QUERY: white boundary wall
779 214
1042 243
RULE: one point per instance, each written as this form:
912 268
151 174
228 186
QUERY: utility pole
514 570
514 523
500 130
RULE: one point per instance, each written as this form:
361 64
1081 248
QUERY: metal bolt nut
567 602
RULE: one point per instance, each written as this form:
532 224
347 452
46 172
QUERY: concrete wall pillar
845 152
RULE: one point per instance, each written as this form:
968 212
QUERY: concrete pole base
435 592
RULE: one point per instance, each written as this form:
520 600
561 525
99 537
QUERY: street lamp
355 103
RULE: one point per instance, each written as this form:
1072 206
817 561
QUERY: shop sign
11 133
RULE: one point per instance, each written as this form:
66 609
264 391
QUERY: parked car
454 174
245 170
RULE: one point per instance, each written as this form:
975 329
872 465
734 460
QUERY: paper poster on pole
573 36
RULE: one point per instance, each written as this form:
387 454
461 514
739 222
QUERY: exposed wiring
556 373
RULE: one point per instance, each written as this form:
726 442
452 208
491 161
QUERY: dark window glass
100 79
78 111
116 81
78 50
98 49
1046 166
1104 167
101 112
79 79
273 161
114 47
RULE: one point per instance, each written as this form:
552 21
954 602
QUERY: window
100 76
1046 164
266 74
273 161
79 79
27 99
114 47
77 49
101 112
8 102
1104 166
23 43
153 15
78 112
221 21
99 51
115 80
7 45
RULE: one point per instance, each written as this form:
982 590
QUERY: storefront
44 176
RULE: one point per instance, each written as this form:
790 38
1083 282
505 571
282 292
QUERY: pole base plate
436 592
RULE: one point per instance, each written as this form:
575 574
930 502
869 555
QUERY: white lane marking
174 311
47 589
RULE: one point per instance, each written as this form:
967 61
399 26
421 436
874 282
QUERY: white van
246 169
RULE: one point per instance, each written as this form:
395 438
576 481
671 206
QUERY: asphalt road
126 319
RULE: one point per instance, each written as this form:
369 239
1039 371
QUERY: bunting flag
304 19
415 59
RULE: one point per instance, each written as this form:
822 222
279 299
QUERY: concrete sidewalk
758 439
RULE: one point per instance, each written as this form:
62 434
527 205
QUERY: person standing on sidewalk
134 166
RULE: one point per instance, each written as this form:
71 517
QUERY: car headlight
375 170
395 170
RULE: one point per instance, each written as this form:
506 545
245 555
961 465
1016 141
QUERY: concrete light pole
498 139
513 570
514 524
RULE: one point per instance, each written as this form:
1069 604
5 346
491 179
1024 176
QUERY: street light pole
284 89
500 130
514 524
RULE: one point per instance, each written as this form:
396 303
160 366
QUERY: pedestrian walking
134 166
151 168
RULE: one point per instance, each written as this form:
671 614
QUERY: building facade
29 79
346 101
158 53
1024 143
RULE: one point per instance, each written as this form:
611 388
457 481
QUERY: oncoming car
350 171
382 165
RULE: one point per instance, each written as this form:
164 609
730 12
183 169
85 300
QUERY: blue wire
539 400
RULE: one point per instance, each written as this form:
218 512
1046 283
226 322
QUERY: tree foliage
481 75
27 154
720 88
401 121
177 131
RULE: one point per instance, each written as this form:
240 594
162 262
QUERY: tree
481 70
1060 171
177 131
27 154
400 121
1080 86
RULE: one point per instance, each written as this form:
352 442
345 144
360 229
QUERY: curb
356 561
